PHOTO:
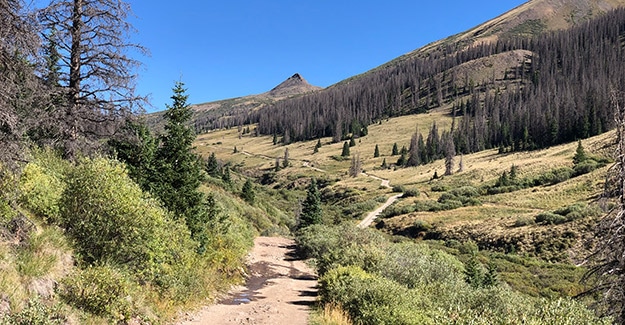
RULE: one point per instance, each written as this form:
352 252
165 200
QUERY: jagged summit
296 84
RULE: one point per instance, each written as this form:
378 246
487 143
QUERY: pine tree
580 153
275 139
395 151
384 165
178 169
318 145
376 152
137 148
225 175
345 152
247 192
311 207
352 142
235 150
212 166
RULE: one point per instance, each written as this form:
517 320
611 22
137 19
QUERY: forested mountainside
557 92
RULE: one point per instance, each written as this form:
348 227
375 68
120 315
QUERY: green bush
554 177
35 313
110 219
41 191
399 188
411 192
439 188
550 218
523 221
371 299
395 210
102 291
586 167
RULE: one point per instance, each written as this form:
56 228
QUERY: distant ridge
294 85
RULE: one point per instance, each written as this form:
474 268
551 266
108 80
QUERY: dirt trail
367 221
280 289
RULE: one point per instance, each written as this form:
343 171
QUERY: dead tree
95 67
608 268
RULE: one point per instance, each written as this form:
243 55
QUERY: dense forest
560 93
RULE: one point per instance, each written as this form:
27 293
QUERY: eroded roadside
280 289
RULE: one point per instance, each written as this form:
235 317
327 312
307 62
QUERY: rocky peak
296 84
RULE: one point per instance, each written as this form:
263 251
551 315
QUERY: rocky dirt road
280 290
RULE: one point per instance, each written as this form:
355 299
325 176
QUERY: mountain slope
240 110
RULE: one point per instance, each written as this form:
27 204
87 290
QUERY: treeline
560 93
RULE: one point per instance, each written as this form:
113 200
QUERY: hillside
240 110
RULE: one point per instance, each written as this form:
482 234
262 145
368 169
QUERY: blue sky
231 48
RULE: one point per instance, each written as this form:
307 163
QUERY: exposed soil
281 289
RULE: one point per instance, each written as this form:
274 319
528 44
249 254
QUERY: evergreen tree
311 207
212 166
275 139
450 153
384 165
179 171
235 150
315 150
247 192
137 148
402 160
225 175
345 152
395 151
580 153
352 142
376 152
318 145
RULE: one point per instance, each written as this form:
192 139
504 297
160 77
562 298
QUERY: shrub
411 192
35 313
554 177
370 299
523 221
439 188
399 188
101 290
586 167
110 219
550 218
41 191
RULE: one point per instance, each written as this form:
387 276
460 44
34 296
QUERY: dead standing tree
609 258
96 70
19 88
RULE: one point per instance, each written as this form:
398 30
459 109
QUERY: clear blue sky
231 48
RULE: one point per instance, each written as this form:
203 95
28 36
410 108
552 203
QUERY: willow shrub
111 220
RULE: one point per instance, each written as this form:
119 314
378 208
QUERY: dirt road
280 289
368 220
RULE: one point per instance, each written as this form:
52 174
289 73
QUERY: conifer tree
580 153
318 145
395 151
247 192
311 207
212 166
179 170
137 147
461 164
225 175
352 142
345 152
376 152
384 165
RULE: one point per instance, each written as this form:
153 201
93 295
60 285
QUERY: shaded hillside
240 110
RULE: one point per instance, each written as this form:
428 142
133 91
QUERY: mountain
517 86
294 85
240 110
